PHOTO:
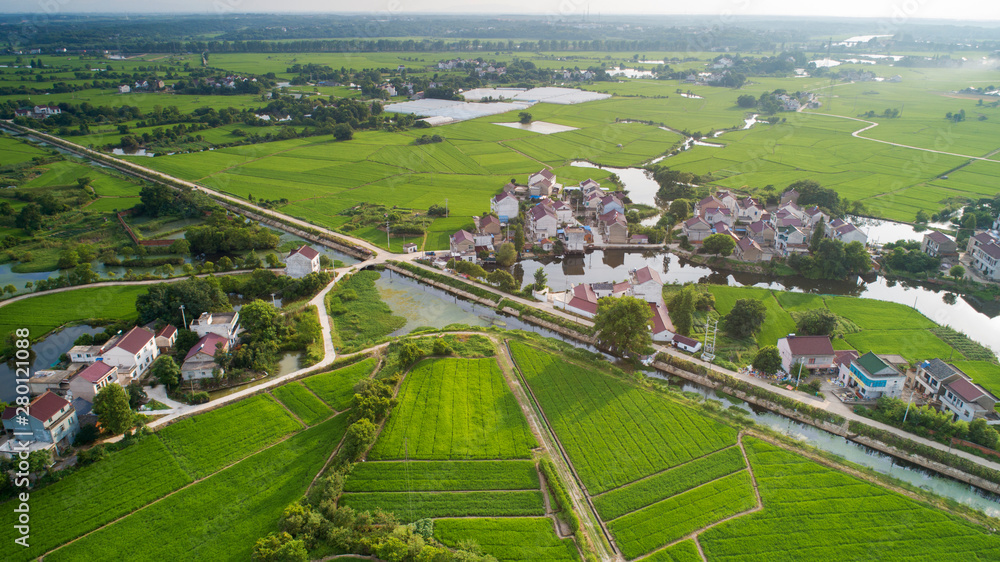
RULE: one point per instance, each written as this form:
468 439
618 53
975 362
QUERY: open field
642 493
358 313
208 442
44 313
614 432
914 345
664 522
455 409
511 539
778 323
985 373
220 517
442 476
684 551
411 506
302 402
878 315
97 494
813 512
336 388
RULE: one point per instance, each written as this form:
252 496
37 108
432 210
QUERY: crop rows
508 539
210 441
302 403
411 506
652 527
455 409
221 517
442 475
814 512
336 388
637 495
615 433
684 551
96 494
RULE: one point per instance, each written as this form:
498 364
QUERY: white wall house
647 285
199 363
813 352
92 379
505 206
225 324
301 262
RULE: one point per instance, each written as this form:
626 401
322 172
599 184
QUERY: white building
812 352
647 285
872 377
199 363
301 262
505 206
225 324
984 253
131 353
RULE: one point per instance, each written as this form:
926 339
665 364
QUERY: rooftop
809 345
95 371
304 250
135 340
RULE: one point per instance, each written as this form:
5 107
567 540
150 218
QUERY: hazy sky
897 10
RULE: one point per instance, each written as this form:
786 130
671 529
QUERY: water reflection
45 354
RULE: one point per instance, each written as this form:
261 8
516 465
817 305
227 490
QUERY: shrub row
559 494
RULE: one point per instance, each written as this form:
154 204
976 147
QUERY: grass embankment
358 313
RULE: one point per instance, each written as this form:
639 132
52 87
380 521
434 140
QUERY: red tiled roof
684 340
207 344
95 371
647 274
661 319
844 356
992 250
621 287
135 340
545 173
938 237
305 251
167 331
46 406
809 345
462 236
501 196
539 212
965 389
693 221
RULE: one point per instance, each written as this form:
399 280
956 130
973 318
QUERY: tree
746 101
680 209
343 132
722 244
502 279
817 322
541 278
360 436
156 200
519 240
681 309
260 320
29 218
83 182
922 216
957 271
9 288
506 255
166 371
857 260
136 395
524 117
623 323
817 236
279 547
225 264
111 407
180 246
768 359
746 316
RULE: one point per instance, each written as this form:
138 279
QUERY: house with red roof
696 229
132 353
87 382
937 244
541 183
199 363
166 337
581 300
662 328
51 421
984 251
647 284
504 205
542 222
813 352
301 262
955 392
749 250
762 233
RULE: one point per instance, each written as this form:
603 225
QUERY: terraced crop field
509 539
816 513
455 409
614 432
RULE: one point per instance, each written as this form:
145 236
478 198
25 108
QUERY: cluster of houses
229 81
761 234
574 75
870 376
643 283
482 68
552 219
38 111
151 85
982 252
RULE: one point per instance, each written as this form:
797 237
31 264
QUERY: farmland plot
615 433
97 494
817 513
442 476
220 517
302 402
336 388
508 539
411 506
455 409
664 522
210 441
684 551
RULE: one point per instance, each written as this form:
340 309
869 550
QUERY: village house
872 377
707 204
954 391
165 338
542 222
938 245
581 300
984 253
124 89
696 229
132 353
719 214
662 328
748 250
812 352
846 232
790 196
301 262
504 205
592 202
813 215
842 363
611 203
546 244
225 324
488 225
762 233
87 382
687 344
792 240
748 210
199 363
614 227
462 242
564 213
646 284
51 420
639 239
541 183
576 240
409 248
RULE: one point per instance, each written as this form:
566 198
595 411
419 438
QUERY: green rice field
508 539
43 313
411 506
336 388
390 476
302 402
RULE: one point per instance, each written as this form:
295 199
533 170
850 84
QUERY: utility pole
445 207
273 303
183 318
387 232
797 379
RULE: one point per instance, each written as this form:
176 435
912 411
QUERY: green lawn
412 506
871 314
358 313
